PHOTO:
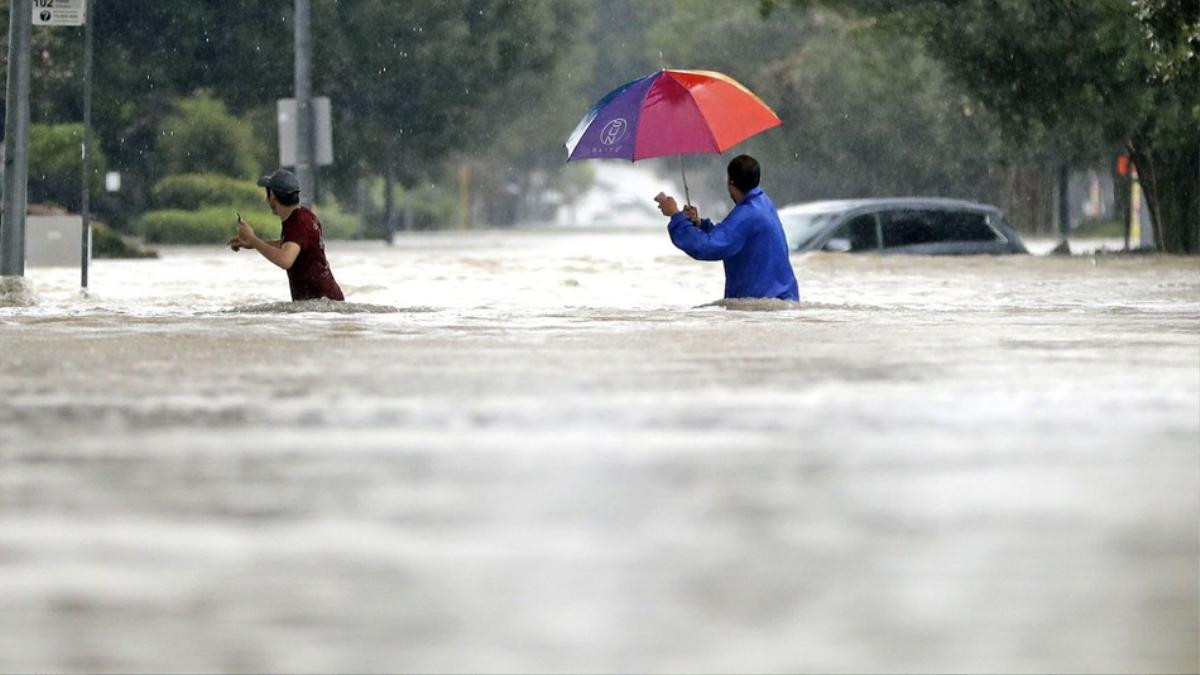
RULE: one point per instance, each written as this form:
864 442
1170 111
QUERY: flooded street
549 451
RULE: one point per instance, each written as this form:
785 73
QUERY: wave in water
325 306
755 304
16 292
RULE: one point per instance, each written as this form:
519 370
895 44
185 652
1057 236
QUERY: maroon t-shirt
309 275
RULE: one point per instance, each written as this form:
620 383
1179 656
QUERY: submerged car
906 225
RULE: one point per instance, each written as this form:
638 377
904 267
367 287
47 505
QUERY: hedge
215 225
432 209
199 190
109 244
337 223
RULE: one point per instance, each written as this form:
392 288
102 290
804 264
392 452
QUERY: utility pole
1064 210
305 134
16 140
85 197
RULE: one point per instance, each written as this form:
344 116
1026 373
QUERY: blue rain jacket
751 242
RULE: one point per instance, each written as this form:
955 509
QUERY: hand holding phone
235 242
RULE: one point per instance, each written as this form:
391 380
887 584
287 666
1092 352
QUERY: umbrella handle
682 170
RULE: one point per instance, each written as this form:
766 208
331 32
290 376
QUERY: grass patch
1100 229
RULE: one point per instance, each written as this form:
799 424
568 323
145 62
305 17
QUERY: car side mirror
838 245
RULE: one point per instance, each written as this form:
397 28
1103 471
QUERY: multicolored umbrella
671 112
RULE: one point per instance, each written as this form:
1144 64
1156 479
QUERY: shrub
1113 229
216 224
55 165
213 225
433 208
336 222
109 244
202 137
199 190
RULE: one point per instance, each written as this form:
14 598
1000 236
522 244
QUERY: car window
912 226
860 233
800 228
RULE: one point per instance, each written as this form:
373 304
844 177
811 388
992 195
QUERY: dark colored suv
906 225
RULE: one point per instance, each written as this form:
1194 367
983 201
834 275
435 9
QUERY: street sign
53 241
59 12
285 110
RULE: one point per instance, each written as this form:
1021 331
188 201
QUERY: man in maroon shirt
300 249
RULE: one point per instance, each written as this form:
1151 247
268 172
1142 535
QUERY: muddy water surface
552 451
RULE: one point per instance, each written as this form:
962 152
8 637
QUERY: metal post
464 196
1064 204
16 141
389 204
687 196
85 212
305 135
1126 185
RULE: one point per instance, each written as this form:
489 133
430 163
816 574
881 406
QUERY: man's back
751 243
309 276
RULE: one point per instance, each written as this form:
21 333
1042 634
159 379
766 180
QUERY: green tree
863 116
414 85
1083 76
147 55
200 136
1167 142
55 165
1172 30
523 158
417 84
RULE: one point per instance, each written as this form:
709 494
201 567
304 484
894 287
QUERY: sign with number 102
59 12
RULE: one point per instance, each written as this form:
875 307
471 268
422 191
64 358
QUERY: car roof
844 205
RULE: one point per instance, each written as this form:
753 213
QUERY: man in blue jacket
750 240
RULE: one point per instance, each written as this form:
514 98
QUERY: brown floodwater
552 451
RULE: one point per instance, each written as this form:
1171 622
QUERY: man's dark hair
744 172
285 198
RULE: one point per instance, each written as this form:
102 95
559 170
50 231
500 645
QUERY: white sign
285 111
112 181
53 241
59 12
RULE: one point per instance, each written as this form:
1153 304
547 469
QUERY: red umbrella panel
671 112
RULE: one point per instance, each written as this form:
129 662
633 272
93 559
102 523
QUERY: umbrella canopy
671 112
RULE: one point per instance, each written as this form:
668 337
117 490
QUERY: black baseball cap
282 182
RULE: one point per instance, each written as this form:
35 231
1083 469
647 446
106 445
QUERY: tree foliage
198 190
200 136
411 83
862 116
878 96
415 82
56 165
1085 77
1172 31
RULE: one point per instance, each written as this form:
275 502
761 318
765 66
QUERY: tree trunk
1064 202
1028 201
1121 195
389 205
1170 181
362 203
1120 190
